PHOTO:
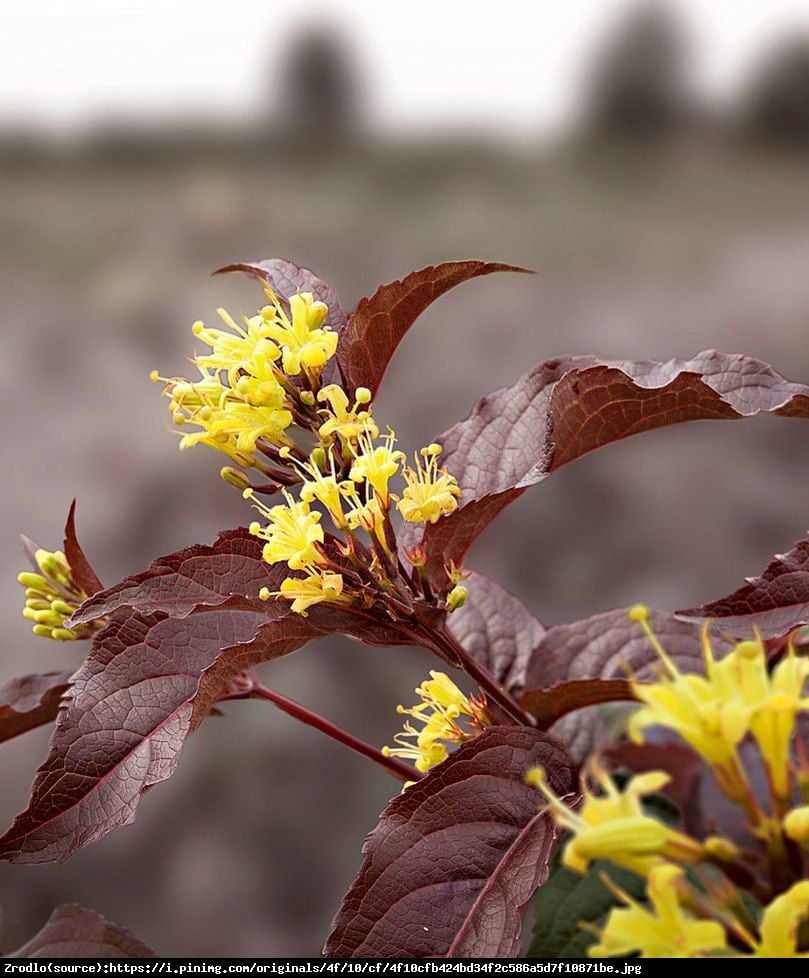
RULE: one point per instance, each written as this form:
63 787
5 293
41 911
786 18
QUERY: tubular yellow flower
666 931
303 342
291 534
613 825
796 824
431 492
780 921
442 706
366 516
313 589
709 712
241 349
376 465
774 709
325 489
347 424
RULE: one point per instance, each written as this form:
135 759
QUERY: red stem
494 691
392 765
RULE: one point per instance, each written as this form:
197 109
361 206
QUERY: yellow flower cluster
260 381
439 714
701 912
51 597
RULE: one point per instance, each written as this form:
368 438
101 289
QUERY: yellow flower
431 492
51 597
442 705
613 825
780 921
325 489
237 350
292 533
366 516
376 465
347 424
709 712
303 342
774 709
313 589
665 931
796 824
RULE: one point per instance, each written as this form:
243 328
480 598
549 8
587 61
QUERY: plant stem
400 770
446 643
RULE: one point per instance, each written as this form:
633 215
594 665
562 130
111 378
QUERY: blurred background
648 159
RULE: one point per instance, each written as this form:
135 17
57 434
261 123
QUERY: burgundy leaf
379 323
199 575
454 860
563 409
286 278
83 573
30 701
497 630
774 603
147 682
591 661
73 931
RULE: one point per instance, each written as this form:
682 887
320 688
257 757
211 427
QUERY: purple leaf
83 573
286 278
452 863
379 323
592 661
563 409
774 603
497 630
146 683
30 701
199 575
73 931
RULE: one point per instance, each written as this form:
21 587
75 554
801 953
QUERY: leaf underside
774 603
564 408
30 701
454 860
73 931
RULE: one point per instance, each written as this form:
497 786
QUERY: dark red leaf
286 278
497 630
591 661
379 323
199 575
563 409
73 931
30 701
452 863
83 573
146 683
774 603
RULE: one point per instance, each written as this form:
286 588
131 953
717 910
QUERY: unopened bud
719 848
63 635
264 594
457 597
30 580
234 477
362 395
319 458
796 824
42 631
307 398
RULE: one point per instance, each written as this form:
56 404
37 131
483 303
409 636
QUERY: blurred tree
637 84
777 104
320 92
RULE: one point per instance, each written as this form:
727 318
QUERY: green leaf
567 899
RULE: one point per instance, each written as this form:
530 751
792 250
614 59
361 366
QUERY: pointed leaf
497 630
591 661
379 323
774 603
563 409
199 575
73 931
147 682
83 573
567 899
30 701
452 863
286 278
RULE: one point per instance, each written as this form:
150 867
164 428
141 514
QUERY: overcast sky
427 63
